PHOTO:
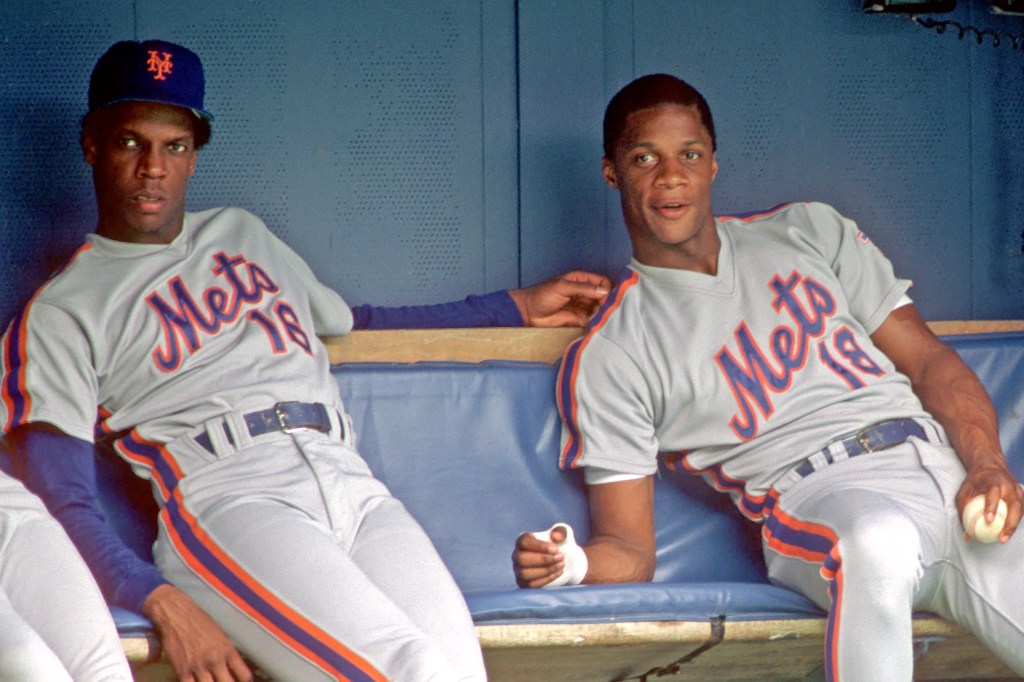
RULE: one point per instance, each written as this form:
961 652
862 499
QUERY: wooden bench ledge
524 344
737 650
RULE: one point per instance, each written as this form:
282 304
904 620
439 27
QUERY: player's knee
885 551
418 659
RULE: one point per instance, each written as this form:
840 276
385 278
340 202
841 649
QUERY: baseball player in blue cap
189 342
778 356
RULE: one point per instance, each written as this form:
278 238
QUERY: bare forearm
621 548
951 393
946 386
613 561
622 542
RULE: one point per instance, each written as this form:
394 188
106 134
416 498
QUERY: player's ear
608 171
89 149
714 166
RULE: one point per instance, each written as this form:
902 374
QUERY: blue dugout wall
418 151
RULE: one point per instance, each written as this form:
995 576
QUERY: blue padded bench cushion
129 623
487 471
644 602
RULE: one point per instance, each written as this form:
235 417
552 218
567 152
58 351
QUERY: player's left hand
568 300
537 562
194 645
995 482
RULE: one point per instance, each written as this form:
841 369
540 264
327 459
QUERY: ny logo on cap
161 67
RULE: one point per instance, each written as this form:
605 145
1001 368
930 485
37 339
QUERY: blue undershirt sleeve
496 309
61 470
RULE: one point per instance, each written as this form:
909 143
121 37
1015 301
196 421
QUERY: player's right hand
995 482
192 642
537 562
568 300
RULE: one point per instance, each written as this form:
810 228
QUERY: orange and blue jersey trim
13 385
225 576
163 469
13 391
567 373
756 215
102 429
754 507
816 544
835 591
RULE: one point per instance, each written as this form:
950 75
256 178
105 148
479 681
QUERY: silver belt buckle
282 420
886 433
865 439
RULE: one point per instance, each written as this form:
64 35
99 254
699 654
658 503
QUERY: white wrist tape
575 558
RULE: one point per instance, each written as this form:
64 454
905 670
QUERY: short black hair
201 130
647 92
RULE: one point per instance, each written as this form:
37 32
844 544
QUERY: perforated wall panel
355 130
415 152
45 188
913 133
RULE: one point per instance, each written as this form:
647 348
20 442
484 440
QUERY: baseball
974 520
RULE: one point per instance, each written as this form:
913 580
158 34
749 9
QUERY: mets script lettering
185 319
754 375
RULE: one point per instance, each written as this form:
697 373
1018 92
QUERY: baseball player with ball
778 356
189 341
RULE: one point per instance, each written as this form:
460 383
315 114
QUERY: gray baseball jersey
173 345
743 376
226 301
700 368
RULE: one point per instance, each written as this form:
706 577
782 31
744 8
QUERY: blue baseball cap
149 71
